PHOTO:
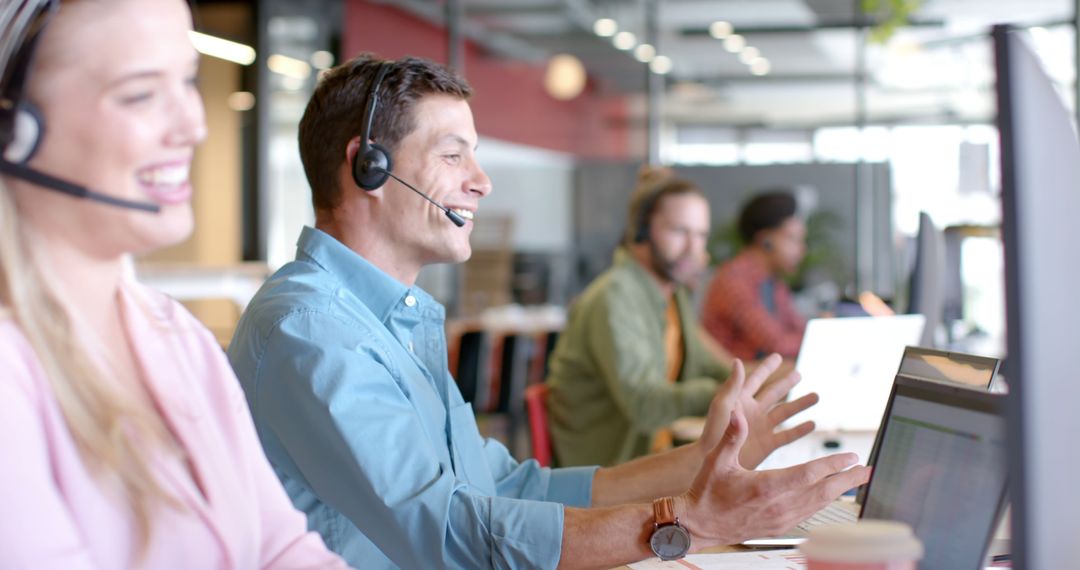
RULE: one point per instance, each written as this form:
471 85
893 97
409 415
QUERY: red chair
536 407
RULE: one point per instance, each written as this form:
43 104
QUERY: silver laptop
850 363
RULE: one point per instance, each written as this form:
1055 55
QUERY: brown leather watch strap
664 510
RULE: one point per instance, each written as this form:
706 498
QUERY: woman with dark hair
748 307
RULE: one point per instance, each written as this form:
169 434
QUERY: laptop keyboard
832 514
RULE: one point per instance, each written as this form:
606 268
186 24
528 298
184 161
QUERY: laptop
941 468
978 372
850 363
921 414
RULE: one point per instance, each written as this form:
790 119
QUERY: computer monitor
941 469
1040 191
926 294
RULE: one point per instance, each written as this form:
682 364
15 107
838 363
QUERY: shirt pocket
470 461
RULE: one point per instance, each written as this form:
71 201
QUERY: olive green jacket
608 391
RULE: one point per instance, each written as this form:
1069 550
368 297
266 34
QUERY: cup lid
863 541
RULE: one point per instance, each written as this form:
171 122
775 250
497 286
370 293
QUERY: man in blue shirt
343 360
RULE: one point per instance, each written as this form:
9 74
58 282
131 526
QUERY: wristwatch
670 540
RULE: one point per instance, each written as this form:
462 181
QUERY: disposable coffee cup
865 545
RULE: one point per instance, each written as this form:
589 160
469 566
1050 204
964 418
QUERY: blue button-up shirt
345 373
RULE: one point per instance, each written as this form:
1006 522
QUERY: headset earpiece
21 123
371 166
27 127
642 234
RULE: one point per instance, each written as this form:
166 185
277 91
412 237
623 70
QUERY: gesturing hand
765 412
761 408
728 504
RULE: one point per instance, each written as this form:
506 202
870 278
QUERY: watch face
670 542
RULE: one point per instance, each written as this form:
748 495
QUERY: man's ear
351 148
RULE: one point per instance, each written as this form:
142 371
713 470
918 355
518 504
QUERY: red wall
510 102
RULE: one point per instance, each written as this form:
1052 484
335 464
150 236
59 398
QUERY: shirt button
410 301
410 346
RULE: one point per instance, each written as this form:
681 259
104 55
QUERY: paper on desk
764 560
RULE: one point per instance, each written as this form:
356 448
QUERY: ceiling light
624 40
221 48
661 65
720 29
644 53
288 66
605 27
749 54
760 66
734 43
565 77
322 59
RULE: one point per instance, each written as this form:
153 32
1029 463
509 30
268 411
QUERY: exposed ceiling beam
804 29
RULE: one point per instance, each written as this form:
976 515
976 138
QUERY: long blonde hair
113 434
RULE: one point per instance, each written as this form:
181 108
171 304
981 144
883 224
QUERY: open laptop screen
850 363
941 469
929 364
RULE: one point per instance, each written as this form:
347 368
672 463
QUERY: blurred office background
872 111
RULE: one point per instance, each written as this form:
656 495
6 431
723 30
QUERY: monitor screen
1040 193
940 469
926 295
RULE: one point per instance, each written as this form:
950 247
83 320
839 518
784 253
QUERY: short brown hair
653 186
336 109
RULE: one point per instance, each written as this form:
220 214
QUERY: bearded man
632 359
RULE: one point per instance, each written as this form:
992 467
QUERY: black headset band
372 105
645 211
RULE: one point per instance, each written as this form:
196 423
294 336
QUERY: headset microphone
52 183
454 216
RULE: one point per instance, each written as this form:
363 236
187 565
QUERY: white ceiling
939 69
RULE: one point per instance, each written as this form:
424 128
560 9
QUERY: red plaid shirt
737 315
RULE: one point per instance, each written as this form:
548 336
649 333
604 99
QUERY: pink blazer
55 514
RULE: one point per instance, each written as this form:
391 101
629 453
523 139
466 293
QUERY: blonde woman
125 441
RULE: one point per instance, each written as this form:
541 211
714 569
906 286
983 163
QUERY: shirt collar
371 285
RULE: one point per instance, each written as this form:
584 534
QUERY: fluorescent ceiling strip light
222 49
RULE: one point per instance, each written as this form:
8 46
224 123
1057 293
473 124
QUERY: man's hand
761 408
765 412
728 504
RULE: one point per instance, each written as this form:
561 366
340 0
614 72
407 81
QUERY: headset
646 207
22 125
372 164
